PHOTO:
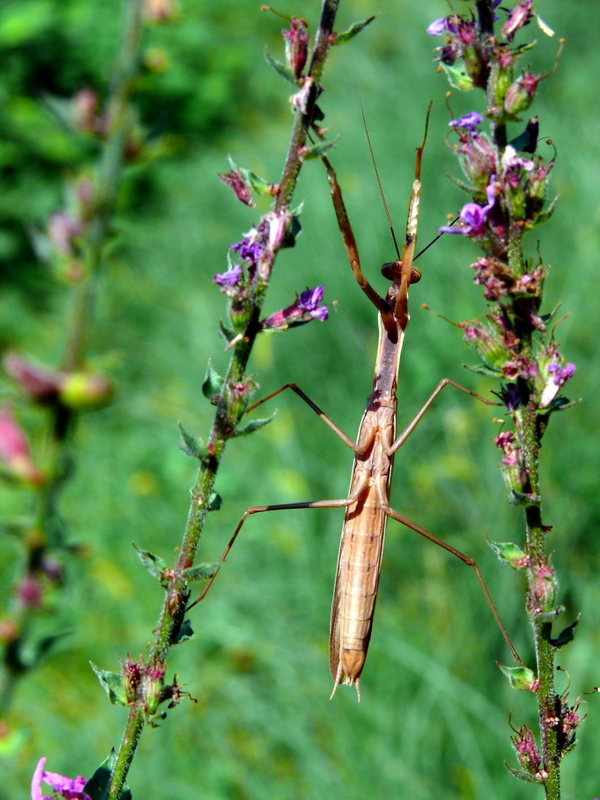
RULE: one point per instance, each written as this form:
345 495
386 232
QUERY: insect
367 504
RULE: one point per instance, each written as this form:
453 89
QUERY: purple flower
248 249
231 277
305 308
561 374
309 302
473 216
441 26
468 121
66 788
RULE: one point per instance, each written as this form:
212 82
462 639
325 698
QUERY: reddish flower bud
296 45
40 384
14 449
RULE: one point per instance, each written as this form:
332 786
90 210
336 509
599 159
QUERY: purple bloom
473 216
468 121
561 374
248 249
305 308
231 277
440 26
66 788
309 302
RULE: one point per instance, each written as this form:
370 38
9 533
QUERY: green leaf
253 425
481 369
458 76
201 572
280 68
154 564
509 553
192 445
97 786
353 30
185 633
320 149
521 678
112 683
227 333
521 775
213 384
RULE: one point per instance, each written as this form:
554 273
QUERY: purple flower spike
468 121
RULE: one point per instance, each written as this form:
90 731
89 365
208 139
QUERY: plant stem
228 412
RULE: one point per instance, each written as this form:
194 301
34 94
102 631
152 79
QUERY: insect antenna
381 194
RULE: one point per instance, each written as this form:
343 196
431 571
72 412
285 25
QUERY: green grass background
434 716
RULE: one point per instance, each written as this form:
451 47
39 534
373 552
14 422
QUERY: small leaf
567 635
520 678
213 384
353 30
97 786
280 68
192 445
481 369
215 501
457 75
254 181
154 564
253 425
184 634
320 149
510 553
227 333
201 572
112 683
521 775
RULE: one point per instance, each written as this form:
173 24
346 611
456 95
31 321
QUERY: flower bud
82 391
41 385
296 45
14 449
520 94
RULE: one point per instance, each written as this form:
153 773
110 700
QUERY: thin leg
342 503
441 385
466 560
329 422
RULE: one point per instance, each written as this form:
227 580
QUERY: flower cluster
239 281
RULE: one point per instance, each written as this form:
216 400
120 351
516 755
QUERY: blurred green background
434 716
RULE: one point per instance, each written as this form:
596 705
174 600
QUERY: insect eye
389 269
415 275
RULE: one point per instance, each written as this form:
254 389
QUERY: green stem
228 412
118 114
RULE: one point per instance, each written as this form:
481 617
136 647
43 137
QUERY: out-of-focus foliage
195 88
433 721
